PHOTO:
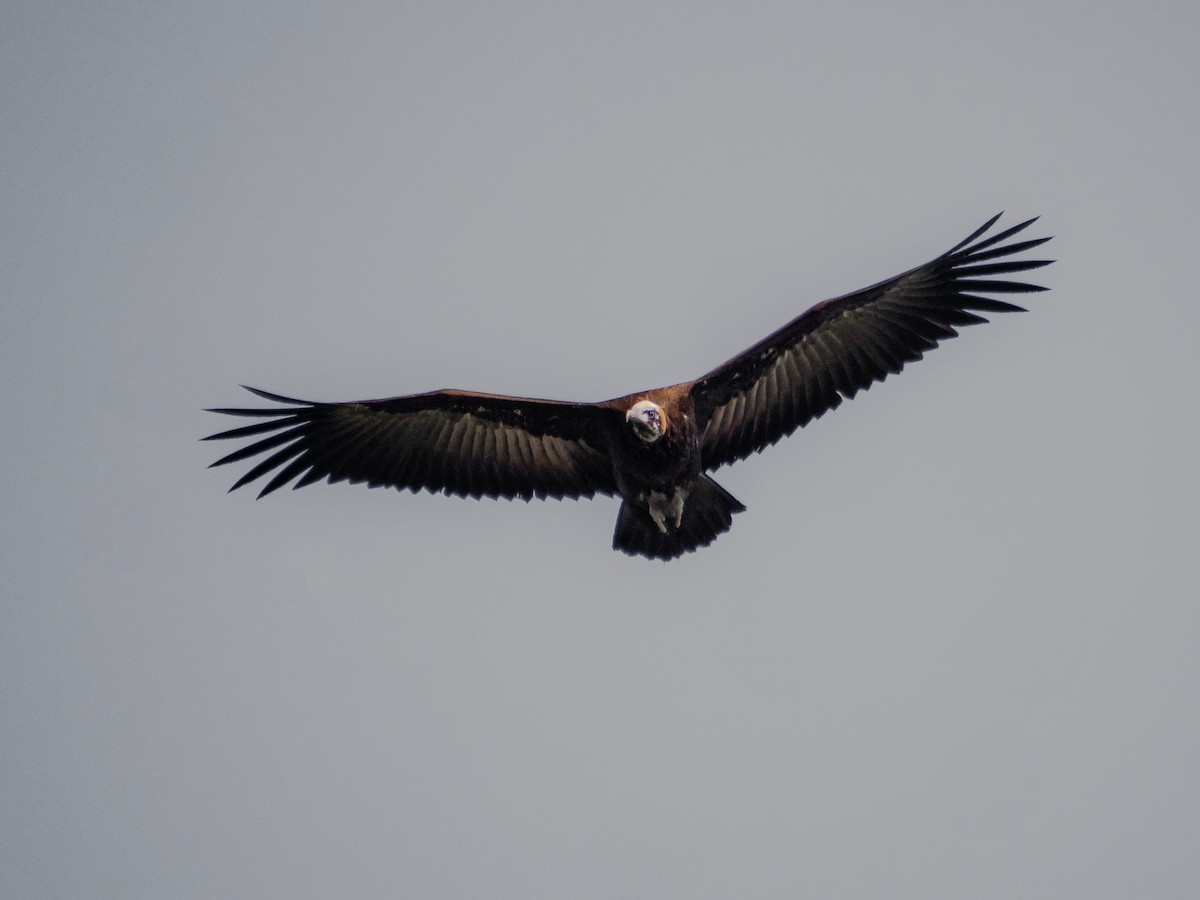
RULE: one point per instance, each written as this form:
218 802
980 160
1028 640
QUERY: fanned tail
707 513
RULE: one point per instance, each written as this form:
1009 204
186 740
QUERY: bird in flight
654 449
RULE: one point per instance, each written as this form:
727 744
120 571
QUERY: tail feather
707 513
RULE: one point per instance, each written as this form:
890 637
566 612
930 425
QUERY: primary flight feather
653 448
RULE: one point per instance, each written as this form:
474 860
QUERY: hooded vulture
653 448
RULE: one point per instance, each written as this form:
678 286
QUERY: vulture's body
654 448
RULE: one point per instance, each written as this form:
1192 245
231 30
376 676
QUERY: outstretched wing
455 442
843 345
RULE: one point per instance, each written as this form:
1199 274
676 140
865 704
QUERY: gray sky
949 651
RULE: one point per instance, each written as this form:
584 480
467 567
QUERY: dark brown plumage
652 448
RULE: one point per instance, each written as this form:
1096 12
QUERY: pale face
648 420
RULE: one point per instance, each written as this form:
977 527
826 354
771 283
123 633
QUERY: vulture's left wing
841 346
456 442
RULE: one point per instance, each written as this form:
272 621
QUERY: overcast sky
950 650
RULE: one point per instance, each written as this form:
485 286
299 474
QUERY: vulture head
647 419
